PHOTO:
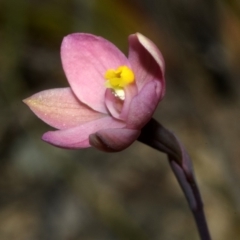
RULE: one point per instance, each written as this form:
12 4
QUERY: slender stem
199 215
193 196
201 224
156 136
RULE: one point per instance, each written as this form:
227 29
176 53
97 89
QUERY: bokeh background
48 193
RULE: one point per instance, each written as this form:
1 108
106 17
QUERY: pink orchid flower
110 98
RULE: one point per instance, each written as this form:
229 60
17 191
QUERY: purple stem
155 135
193 196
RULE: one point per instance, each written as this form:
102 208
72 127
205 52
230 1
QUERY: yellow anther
119 78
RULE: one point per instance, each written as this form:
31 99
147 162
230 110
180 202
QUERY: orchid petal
60 108
114 140
147 62
117 107
78 137
130 92
85 59
114 104
143 106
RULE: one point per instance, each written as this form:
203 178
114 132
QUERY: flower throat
118 79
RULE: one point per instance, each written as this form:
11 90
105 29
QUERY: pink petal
130 93
78 137
85 59
113 103
147 62
114 140
143 106
116 107
60 108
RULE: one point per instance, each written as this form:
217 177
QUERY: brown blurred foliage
49 193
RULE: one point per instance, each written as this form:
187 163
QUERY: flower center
118 79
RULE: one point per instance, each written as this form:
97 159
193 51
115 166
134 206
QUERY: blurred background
48 193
